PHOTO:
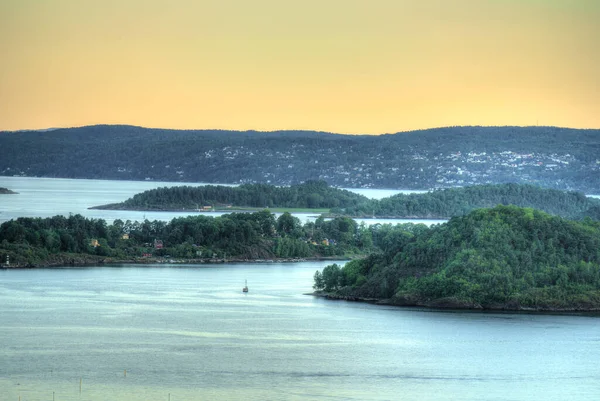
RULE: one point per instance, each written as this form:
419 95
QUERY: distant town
559 158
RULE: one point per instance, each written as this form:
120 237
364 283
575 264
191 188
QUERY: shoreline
249 209
160 181
96 261
458 307
234 209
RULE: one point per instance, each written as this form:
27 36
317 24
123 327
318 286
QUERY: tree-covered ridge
435 158
505 257
441 204
446 203
37 241
311 194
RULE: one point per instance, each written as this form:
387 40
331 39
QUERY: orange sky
348 66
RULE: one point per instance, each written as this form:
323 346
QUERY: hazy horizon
292 130
338 66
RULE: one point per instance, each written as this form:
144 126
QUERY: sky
345 66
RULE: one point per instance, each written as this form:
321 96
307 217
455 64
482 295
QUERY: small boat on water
245 289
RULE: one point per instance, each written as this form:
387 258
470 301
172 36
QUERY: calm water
190 332
47 197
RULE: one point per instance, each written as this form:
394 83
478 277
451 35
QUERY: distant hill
551 157
501 258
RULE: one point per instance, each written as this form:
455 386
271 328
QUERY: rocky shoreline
454 304
6 191
93 260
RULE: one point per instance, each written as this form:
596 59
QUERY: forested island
506 257
550 157
309 195
6 191
75 239
440 204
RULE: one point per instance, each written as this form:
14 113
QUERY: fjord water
190 332
47 197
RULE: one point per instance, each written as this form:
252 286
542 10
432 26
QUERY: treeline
501 258
35 241
446 203
441 204
311 194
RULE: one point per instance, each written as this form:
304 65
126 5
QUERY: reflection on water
190 332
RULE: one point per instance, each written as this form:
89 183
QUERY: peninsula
504 258
6 191
61 240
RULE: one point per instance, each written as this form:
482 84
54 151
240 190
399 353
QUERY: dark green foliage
292 248
319 283
451 202
332 277
287 224
311 194
592 213
236 235
505 257
444 203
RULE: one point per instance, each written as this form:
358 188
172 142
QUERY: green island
6 191
310 196
503 258
318 197
76 240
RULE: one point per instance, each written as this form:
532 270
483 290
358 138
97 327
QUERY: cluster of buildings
408 167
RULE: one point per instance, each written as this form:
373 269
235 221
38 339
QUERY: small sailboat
245 289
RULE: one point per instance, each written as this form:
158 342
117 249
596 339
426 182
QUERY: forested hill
443 203
444 157
450 202
501 258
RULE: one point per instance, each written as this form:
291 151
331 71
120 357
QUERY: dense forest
62 240
501 258
551 157
311 194
443 203
446 203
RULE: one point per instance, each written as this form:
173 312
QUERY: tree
331 277
286 223
319 282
